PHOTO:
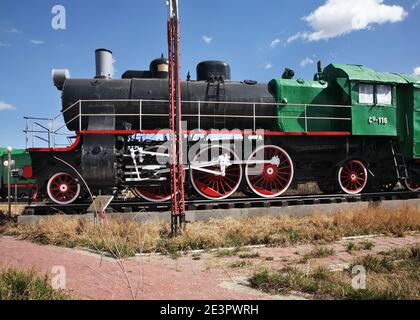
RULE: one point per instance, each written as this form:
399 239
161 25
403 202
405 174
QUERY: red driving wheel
63 188
212 186
353 177
270 180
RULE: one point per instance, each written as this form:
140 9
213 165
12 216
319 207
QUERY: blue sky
258 38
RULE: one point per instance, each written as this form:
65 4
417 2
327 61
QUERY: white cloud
275 43
13 30
6 106
417 71
37 42
307 61
207 39
297 36
415 5
4 45
268 66
339 17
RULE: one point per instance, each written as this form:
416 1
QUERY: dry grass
395 276
17 209
123 239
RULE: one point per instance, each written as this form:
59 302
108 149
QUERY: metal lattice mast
175 118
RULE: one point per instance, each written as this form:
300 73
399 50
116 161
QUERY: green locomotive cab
342 98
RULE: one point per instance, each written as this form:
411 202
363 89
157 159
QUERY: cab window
366 95
384 95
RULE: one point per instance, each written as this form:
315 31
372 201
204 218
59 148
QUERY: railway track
233 203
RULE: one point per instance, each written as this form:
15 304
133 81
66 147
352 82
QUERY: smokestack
104 66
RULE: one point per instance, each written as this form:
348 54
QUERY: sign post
9 172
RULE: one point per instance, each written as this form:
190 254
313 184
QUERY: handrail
51 131
218 102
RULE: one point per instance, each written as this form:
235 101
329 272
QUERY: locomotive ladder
217 92
175 121
399 160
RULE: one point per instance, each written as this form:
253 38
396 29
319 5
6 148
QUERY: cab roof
360 73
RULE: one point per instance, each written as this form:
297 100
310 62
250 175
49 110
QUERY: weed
251 255
351 246
319 252
367 245
240 264
228 252
375 263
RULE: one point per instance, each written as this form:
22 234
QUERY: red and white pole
175 118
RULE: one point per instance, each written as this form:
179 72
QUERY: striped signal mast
175 120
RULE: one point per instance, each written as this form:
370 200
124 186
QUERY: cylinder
104 68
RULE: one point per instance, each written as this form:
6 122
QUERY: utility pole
175 119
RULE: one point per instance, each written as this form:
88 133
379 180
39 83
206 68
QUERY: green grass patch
19 285
376 264
363 245
319 252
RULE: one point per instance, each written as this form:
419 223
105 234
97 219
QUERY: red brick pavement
91 276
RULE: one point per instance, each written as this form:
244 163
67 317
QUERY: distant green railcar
21 181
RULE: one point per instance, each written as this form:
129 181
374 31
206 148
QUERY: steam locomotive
350 130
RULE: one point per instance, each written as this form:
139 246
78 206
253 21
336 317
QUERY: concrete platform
205 215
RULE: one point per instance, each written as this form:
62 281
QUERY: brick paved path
91 276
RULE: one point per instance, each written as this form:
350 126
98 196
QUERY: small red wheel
63 188
212 186
353 177
411 185
155 191
270 180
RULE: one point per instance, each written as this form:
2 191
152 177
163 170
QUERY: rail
53 132
297 201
